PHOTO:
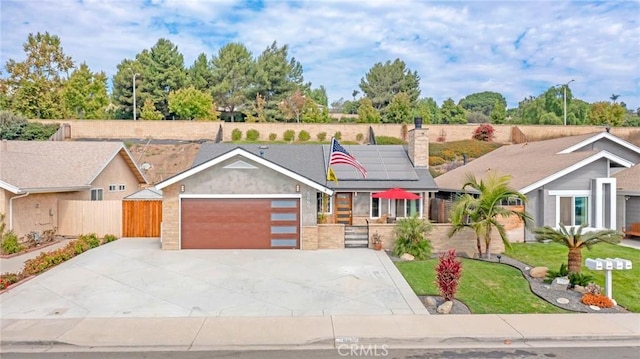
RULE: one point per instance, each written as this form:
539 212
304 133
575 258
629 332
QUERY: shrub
359 137
562 272
10 243
448 155
236 134
90 239
109 238
484 132
253 135
448 273
304 136
599 300
410 237
580 279
321 136
338 135
387 140
272 136
7 279
593 288
436 161
472 148
289 135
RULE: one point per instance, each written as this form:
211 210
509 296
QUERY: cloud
516 48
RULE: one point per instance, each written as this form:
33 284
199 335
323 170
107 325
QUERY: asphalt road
582 352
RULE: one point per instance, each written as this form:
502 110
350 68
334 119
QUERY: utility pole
565 100
134 95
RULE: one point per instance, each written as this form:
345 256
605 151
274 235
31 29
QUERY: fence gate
141 218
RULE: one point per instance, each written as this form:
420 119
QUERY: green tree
34 86
450 113
399 110
411 237
319 95
232 70
427 109
499 113
383 81
163 72
122 92
481 210
575 240
255 113
149 111
11 126
85 93
293 105
275 78
483 102
190 103
314 113
606 113
366 112
200 74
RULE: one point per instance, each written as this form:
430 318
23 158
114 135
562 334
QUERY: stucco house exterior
628 199
569 180
36 175
278 196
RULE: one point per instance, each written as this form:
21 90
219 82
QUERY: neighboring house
272 196
628 190
567 180
35 176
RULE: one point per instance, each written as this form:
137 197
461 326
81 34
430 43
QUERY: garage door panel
240 223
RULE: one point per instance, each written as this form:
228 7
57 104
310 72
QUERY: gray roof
628 180
148 194
52 166
387 166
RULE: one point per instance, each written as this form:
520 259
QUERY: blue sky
517 48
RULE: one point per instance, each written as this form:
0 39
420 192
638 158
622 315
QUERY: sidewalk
397 331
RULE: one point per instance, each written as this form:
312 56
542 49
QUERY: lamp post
134 95
565 100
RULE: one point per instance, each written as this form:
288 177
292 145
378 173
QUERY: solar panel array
381 162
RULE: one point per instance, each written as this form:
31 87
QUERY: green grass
484 287
626 283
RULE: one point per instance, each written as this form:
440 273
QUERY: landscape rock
560 283
538 272
430 301
445 308
407 257
580 289
562 300
594 307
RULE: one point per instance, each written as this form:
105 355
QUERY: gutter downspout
11 209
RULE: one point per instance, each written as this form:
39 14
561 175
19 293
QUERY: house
274 196
38 176
569 180
628 199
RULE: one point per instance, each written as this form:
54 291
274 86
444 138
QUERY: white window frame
329 202
122 187
113 187
97 190
572 194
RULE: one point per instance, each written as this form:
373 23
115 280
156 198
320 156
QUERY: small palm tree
411 237
482 213
575 240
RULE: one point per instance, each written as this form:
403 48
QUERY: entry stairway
356 236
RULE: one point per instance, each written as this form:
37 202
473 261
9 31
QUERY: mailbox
593 264
606 264
626 264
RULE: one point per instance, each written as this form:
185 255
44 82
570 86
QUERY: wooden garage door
233 223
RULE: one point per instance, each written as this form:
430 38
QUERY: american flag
340 156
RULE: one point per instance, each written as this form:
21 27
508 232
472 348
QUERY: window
573 211
96 194
324 203
375 207
512 201
121 187
407 207
112 188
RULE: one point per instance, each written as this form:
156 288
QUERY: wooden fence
141 218
82 217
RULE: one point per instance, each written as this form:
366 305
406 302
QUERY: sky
516 48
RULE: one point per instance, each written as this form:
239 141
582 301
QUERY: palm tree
575 240
482 213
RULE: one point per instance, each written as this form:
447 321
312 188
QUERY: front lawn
626 283
486 288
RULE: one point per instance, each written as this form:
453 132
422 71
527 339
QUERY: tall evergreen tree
231 77
122 93
85 93
450 113
200 74
499 113
384 81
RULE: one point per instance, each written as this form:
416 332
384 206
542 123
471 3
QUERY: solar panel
381 162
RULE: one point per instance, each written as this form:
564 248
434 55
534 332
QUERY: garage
240 223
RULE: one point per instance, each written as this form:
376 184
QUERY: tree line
235 85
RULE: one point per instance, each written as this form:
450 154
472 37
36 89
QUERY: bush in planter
236 135
90 239
109 238
411 237
304 136
253 135
7 279
289 135
10 243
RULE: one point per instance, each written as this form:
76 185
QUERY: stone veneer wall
309 237
330 236
170 217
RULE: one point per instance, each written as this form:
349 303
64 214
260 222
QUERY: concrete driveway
134 278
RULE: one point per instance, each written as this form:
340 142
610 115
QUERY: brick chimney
419 144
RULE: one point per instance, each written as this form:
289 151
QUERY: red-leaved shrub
448 273
484 132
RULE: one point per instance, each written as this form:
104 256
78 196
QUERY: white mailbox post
608 265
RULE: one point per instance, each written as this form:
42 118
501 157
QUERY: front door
343 208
